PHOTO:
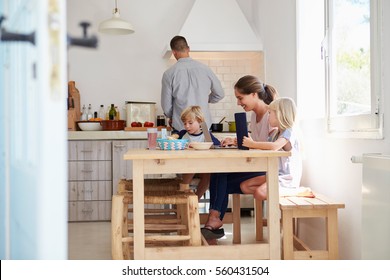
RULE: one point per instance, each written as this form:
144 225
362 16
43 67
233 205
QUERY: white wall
123 67
327 167
130 68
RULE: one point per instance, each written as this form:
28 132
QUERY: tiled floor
92 240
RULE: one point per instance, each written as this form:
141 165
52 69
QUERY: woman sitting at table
252 95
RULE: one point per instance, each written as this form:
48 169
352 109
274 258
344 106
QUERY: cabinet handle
87 210
87 171
119 146
86 151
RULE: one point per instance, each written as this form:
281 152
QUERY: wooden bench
301 207
293 208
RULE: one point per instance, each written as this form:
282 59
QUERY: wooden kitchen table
206 161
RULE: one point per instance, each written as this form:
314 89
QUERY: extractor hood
218 25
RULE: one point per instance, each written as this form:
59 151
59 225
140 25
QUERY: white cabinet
90 180
123 169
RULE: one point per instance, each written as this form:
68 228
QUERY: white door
33 191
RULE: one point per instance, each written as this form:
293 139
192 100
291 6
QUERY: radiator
376 207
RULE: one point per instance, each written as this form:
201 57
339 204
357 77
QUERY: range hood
218 25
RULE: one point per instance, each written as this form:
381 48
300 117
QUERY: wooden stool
183 220
302 207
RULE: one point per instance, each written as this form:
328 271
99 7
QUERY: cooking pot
216 127
232 126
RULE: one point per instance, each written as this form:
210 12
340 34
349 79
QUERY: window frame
361 125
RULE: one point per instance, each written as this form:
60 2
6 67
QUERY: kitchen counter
123 135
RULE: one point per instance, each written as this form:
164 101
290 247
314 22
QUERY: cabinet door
90 190
89 150
123 169
89 170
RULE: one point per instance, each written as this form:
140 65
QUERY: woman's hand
228 141
247 142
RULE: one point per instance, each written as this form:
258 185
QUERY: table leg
332 234
273 208
138 210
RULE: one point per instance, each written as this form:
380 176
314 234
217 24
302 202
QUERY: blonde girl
282 114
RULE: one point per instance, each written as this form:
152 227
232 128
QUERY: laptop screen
241 129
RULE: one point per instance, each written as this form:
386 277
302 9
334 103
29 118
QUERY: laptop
207 136
241 129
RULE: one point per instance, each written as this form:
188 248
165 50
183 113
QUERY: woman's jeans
223 184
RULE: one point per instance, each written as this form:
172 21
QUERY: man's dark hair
179 44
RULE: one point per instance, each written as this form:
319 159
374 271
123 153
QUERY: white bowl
201 145
90 126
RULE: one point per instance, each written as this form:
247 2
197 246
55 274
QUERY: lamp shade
116 25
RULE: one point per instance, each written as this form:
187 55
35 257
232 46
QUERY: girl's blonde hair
286 111
192 113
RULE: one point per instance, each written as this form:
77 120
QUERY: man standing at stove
188 83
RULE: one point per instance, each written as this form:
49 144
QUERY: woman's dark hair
251 84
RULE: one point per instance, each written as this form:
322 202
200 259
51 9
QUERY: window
352 59
350 49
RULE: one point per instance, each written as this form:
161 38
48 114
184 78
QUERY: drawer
89 150
89 211
90 190
89 170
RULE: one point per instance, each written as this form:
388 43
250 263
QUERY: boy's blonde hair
286 111
192 113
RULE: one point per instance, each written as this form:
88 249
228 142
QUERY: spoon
222 120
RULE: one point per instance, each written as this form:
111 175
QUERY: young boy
192 117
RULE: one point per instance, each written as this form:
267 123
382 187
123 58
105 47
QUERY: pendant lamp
116 25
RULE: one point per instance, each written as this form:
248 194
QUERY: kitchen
121 67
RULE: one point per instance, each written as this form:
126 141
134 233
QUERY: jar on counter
160 120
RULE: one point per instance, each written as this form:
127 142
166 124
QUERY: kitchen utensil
222 120
89 126
216 127
232 126
113 124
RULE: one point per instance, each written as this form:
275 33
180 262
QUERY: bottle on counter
164 133
112 113
102 114
117 115
89 114
108 112
84 114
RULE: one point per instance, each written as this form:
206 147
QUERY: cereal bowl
201 145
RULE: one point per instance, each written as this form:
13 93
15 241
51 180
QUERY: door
33 190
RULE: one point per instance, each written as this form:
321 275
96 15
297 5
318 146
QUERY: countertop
123 135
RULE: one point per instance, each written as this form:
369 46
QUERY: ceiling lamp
116 25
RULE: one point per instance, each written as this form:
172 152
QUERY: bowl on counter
89 126
201 145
